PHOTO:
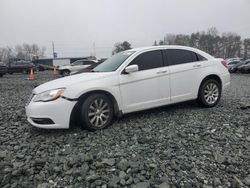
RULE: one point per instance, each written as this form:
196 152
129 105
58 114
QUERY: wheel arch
61 71
76 109
66 69
211 76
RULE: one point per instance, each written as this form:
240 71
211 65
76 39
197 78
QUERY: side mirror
131 68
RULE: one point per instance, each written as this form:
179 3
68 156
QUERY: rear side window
149 60
178 56
201 58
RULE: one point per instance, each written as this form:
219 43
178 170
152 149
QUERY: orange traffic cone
31 77
54 71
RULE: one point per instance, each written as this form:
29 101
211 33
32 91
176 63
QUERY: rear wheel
97 112
209 93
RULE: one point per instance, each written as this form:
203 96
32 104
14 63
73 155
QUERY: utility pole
53 49
94 49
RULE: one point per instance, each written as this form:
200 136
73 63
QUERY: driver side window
149 60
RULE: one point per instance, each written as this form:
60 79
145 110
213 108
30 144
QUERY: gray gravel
180 145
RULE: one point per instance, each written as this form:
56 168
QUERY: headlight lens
49 95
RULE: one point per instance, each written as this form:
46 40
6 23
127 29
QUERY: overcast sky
75 25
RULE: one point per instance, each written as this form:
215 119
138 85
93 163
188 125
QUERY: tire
65 72
209 93
97 112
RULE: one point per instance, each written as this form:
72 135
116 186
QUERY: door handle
198 65
161 72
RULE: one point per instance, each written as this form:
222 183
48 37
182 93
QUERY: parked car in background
234 68
132 80
245 67
88 69
20 67
232 65
3 69
75 66
228 60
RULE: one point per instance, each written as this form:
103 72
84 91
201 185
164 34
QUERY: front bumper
59 111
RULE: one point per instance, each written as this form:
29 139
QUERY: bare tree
213 31
169 39
29 52
246 44
232 44
6 53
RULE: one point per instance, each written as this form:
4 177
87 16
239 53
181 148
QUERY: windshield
112 63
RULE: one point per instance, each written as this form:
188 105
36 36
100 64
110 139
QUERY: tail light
224 63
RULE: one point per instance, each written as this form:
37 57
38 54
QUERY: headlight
49 95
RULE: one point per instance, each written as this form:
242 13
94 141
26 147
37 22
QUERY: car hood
70 80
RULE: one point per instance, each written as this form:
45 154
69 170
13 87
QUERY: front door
141 90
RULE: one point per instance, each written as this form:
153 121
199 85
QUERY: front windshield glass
112 63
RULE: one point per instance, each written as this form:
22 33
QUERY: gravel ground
180 145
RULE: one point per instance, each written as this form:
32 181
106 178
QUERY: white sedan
75 66
129 81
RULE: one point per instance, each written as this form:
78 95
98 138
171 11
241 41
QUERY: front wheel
97 112
209 93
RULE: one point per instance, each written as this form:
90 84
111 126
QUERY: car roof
171 47
85 60
235 61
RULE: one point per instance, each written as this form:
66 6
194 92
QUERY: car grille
29 99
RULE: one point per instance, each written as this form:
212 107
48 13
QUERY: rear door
184 68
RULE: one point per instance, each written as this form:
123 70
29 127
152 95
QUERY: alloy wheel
98 112
211 93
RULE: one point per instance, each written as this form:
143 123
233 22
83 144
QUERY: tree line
225 45
27 52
